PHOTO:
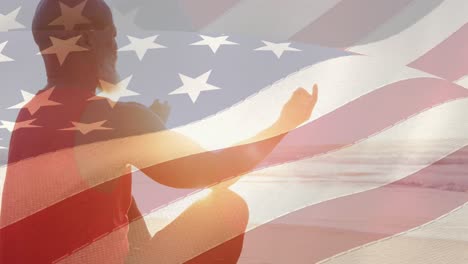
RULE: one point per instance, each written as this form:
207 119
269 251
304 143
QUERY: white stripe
373 74
443 240
285 17
341 80
415 41
415 142
261 110
2 183
326 175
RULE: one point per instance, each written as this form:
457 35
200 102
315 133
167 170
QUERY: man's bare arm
162 155
206 168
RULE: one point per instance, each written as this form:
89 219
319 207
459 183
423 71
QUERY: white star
63 47
8 22
113 92
12 126
141 46
4 58
277 48
214 42
193 87
126 22
7 125
87 128
71 16
40 100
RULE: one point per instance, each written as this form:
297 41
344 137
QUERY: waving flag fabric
378 174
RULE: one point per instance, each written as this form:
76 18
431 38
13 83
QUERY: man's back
78 220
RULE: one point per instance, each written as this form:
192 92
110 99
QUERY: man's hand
161 109
298 109
295 112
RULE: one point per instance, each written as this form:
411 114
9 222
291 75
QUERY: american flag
377 175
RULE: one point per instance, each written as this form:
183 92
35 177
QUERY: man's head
89 55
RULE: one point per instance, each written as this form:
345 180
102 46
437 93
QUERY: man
68 183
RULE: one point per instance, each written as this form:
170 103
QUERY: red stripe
360 119
298 244
392 106
203 12
349 21
368 115
395 102
449 59
362 218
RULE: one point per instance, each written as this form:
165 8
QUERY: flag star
63 47
113 92
71 16
141 46
277 48
214 42
7 125
85 128
12 126
8 22
125 22
4 58
194 86
40 100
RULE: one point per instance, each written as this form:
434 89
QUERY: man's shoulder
137 118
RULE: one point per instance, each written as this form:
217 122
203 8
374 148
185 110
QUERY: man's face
105 51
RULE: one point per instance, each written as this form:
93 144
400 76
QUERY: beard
108 73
